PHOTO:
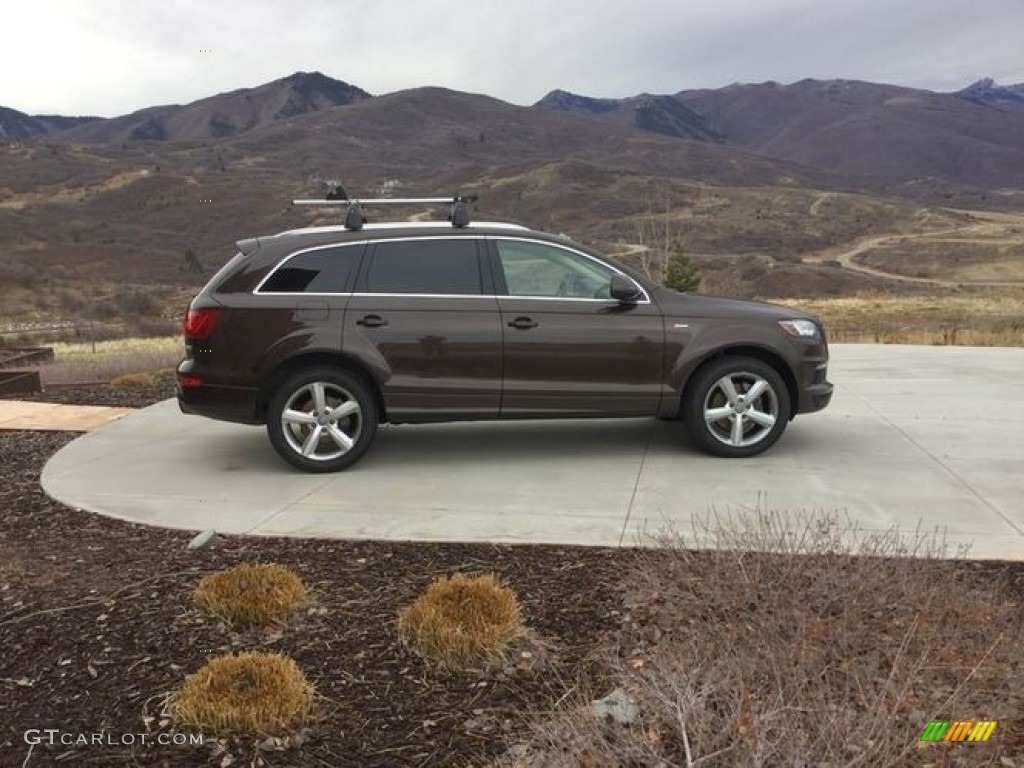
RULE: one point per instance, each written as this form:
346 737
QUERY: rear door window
434 267
322 270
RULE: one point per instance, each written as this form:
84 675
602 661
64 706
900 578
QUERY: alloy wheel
321 421
741 409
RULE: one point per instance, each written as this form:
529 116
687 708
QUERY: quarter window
325 270
425 267
546 271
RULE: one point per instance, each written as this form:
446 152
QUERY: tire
761 420
336 449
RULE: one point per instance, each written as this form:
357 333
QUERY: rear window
442 267
324 270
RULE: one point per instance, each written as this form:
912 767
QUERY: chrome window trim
496 238
258 290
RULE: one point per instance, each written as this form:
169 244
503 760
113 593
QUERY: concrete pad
917 440
56 417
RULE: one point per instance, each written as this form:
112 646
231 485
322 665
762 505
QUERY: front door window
537 270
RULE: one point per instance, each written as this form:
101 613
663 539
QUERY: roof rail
355 217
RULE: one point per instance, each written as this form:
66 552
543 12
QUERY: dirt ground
97 627
96 623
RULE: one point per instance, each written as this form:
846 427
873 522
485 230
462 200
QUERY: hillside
17 125
974 137
103 226
864 128
659 114
225 114
987 92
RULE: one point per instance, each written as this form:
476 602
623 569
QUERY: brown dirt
97 626
96 623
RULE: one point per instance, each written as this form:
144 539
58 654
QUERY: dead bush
251 594
251 693
462 622
825 647
130 380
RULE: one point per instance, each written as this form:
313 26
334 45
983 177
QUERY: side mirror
625 290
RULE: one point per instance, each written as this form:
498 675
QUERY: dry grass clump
252 692
130 380
829 647
77 361
984 319
251 594
462 621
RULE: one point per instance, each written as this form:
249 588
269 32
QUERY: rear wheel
322 419
736 407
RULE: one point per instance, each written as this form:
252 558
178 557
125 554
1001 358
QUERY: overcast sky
110 57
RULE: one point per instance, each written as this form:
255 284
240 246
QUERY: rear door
570 349
425 318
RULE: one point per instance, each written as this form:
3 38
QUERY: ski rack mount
355 217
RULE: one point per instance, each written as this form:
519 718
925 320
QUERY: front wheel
736 407
322 419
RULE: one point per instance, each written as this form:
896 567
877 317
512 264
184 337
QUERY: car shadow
465 443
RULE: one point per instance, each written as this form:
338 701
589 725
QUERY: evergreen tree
681 274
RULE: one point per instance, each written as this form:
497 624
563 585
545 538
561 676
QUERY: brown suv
323 333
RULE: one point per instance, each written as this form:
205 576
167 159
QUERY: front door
425 319
570 349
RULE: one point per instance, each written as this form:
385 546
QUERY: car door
425 319
569 348
300 304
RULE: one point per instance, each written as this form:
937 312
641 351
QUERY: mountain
862 128
657 114
423 132
18 125
974 137
226 114
133 212
987 92
849 127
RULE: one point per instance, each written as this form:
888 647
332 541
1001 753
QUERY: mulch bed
97 626
128 397
96 623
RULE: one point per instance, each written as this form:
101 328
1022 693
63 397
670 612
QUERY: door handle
372 321
523 322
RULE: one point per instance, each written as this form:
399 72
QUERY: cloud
109 57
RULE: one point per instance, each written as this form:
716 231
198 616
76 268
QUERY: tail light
199 323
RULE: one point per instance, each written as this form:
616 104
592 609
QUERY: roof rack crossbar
355 217
392 201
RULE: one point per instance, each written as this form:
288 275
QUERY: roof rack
355 216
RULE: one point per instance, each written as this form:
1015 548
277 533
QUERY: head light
805 328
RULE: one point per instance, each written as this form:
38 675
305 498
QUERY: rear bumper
234 404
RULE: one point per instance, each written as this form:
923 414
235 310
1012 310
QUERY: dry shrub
825 647
462 621
984 319
130 380
104 360
251 594
252 692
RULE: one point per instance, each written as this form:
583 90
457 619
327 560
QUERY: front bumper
815 390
